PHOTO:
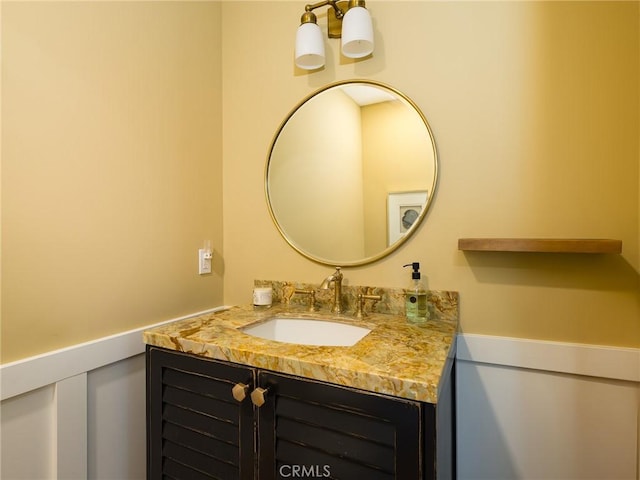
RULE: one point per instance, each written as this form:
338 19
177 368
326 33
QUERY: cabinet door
310 429
195 428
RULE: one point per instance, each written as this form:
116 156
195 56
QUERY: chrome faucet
336 279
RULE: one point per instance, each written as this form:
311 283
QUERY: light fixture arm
335 14
333 3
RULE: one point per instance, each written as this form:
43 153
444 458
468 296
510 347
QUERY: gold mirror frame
330 132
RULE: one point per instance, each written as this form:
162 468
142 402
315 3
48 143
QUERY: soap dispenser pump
416 297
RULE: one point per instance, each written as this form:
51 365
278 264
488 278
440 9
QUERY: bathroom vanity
225 404
229 403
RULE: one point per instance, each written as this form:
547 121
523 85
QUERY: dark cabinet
195 428
301 429
336 432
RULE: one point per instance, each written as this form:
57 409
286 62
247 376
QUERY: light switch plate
204 261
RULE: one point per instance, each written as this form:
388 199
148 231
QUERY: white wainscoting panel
77 413
70 423
117 423
545 410
28 436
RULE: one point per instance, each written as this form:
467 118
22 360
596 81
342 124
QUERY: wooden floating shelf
543 245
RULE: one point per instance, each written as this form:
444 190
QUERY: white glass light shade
309 46
357 33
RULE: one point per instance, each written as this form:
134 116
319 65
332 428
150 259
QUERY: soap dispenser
416 297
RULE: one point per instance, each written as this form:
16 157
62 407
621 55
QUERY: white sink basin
306 331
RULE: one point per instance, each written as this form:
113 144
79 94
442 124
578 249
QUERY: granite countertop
395 358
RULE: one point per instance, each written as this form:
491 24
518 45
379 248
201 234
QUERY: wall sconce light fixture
349 20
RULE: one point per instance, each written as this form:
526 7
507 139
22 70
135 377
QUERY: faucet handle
361 299
312 297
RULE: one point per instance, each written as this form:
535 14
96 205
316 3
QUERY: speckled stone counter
395 358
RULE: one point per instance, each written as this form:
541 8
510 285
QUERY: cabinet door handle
257 396
239 391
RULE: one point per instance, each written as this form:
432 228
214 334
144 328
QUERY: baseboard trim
617 363
38 371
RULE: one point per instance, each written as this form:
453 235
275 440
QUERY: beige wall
111 167
534 107
113 140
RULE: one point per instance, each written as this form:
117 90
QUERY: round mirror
351 173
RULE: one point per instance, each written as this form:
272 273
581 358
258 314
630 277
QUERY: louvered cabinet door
311 429
195 428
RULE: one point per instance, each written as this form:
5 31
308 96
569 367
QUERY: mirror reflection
351 173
